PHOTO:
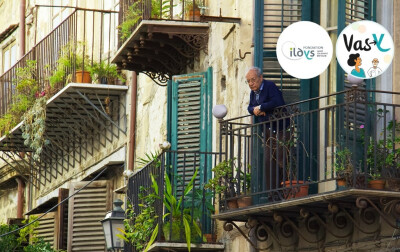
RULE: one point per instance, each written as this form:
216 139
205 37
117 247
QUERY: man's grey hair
254 68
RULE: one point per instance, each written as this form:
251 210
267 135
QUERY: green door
190 124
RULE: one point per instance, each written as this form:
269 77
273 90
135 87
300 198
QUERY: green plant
383 155
27 87
190 4
103 70
141 229
161 9
180 218
9 242
200 201
344 167
223 178
245 180
132 16
150 157
71 56
34 127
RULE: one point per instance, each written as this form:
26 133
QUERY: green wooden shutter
275 17
350 11
190 121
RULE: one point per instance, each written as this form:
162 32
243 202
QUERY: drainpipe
20 200
132 133
22 28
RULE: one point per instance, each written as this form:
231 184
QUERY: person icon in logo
355 60
374 70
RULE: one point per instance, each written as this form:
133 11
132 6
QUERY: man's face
253 80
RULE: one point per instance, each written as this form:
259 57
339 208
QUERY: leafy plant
161 7
150 157
34 127
139 227
71 56
26 240
180 218
9 242
27 87
344 166
223 178
200 200
104 72
383 155
132 16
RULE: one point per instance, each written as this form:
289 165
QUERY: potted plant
72 56
105 73
383 157
223 182
244 200
192 10
346 171
179 217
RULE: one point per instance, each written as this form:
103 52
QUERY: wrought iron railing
80 27
305 147
172 171
178 10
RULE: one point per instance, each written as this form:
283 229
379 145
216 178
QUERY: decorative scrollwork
362 202
392 207
196 41
228 226
159 78
261 232
356 95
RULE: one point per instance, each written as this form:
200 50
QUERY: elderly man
264 97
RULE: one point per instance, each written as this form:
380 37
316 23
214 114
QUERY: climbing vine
34 127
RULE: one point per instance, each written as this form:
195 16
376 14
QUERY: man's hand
258 112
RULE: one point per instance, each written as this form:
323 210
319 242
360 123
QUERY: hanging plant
34 127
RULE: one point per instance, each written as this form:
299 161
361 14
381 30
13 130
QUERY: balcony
169 191
287 171
52 119
161 38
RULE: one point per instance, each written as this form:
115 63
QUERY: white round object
219 111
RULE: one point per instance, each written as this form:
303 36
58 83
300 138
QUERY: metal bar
97 109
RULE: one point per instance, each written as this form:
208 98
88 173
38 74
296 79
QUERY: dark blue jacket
270 97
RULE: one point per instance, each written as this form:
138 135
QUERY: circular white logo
364 49
304 50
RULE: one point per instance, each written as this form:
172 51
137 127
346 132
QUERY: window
59 14
110 35
9 56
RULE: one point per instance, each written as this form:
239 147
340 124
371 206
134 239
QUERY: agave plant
180 217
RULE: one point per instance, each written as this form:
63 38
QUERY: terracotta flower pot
296 191
82 77
211 238
341 182
244 201
232 203
378 184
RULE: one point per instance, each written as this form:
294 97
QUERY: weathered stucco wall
151 117
8 204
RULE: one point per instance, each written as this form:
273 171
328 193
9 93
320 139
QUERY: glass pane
106 32
107 233
6 61
332 14
117 226
13 59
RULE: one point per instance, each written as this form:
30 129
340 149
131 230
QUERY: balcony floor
178 246
318 203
